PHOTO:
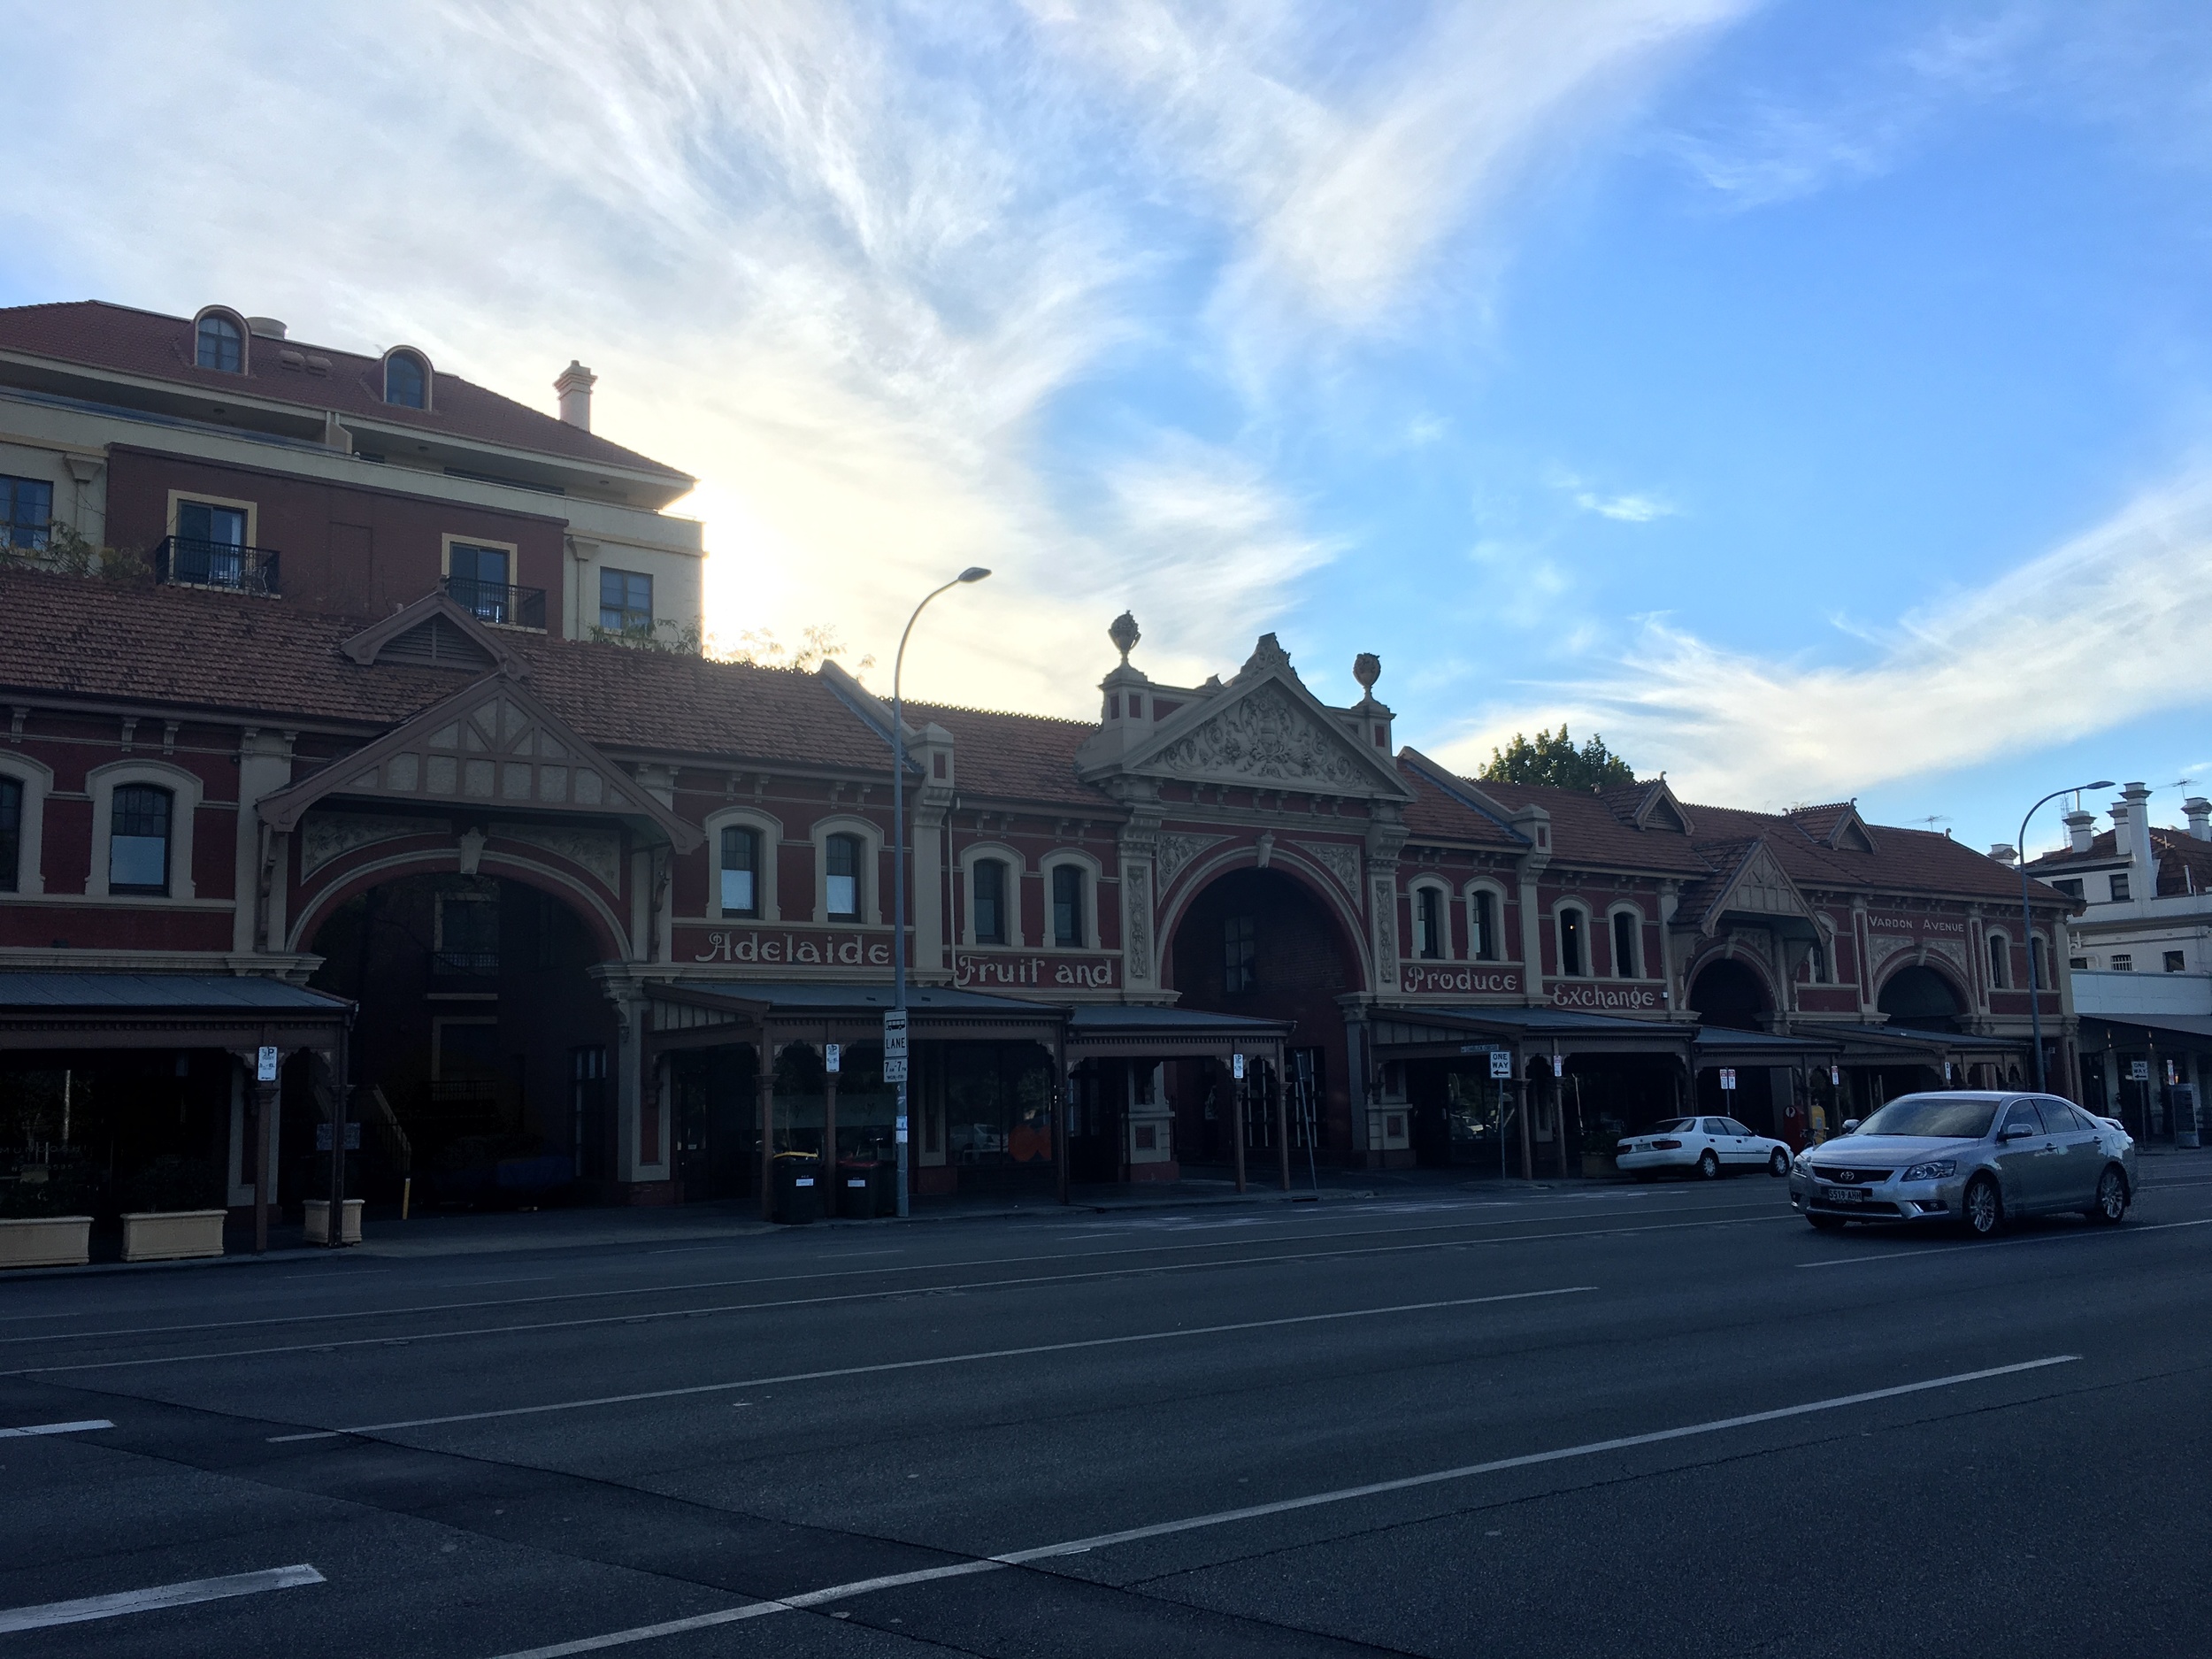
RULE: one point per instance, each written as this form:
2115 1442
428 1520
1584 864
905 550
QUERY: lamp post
2027 925
973 573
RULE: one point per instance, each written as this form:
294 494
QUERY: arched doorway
1730 994
483 1052
1263 944
1918 996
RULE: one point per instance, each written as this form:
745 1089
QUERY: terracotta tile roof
2185 862
118 337
1586 830
1016 757
187 649
1433 813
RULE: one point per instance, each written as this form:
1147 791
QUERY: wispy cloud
2102 630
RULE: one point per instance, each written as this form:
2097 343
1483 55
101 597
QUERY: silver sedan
1973 1159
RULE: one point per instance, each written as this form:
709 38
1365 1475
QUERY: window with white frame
1626 965
1817 967
1428 923
220 344
2000 963
986 899
1068 906
1574 943
741 870
2119 889
11 834
138 838
1482 924
842 895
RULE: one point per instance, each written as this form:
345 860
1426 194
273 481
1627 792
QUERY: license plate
1842 1195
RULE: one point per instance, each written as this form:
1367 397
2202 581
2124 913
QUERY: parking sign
894 1046
265 1065
1728 1077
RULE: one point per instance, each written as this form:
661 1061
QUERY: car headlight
1934 1171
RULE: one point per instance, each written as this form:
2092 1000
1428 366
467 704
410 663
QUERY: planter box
172 1235
46 1241
1596 1168
318 1221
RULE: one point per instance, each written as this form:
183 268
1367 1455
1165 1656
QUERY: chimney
574 386
2200 811
2081 830
2139 849
2004 854
264 328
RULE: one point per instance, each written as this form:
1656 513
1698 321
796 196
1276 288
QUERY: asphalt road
1621 1421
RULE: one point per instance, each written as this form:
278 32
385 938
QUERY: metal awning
165 1010
1858 1041
2189 1029
691 1015
1133 1030
1423 1032
1719 1045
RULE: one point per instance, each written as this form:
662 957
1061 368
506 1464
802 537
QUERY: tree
1553 759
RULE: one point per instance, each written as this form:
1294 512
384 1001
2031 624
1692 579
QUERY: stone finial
1367 669
1125 634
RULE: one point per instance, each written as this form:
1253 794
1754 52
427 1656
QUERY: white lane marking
1285 1259
84 1427
945 1359
1938 1252
861 1272
51 1613
1259 1511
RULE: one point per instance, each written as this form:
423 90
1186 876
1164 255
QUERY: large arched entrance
1261 944
1919 997
1728 995
483 1052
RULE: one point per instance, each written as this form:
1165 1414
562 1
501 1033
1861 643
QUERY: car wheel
1780 1163
2111 1207
1827 1224
1709 1165
1983 1209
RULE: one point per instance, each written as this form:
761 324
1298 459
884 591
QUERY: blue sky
1816 399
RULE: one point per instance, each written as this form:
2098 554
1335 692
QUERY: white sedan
1711 1146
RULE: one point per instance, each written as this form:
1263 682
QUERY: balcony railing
187 562
497 602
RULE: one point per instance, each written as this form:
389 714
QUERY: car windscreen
1932 1117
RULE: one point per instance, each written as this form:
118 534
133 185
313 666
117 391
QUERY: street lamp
2027 925
973 573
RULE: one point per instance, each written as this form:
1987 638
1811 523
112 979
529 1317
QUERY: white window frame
1442 889
429 380
770 831
1091 871
1559 940
101 784
871 861
37 779
1496 890
1016 867
1635 914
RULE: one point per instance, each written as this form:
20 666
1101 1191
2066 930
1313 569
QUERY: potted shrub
1598 1148
176 1212
46 1216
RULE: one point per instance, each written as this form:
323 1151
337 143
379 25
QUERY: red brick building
604 911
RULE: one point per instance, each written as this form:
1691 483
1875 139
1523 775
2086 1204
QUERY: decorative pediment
1758 886
1660 810
1265 730
491 746
431 632
1838 826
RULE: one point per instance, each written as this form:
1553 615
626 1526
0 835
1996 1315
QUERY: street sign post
895 1052
832 1056
1728 1077
1501 1065
265 1065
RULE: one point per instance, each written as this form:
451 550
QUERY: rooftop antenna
1932 819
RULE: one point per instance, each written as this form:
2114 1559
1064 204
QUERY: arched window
989 878
406 381
1067 905
2039 971
1482 926
1574 947
841 893
2000 963
11 834
1428 924
221 344
1625 952
741 870
138 840
1817 962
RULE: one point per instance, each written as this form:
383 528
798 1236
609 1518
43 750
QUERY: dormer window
221 344
406 381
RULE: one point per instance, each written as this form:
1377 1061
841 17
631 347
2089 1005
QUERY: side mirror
1850 1126
2015 1132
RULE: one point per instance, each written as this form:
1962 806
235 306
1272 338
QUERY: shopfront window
998 1105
